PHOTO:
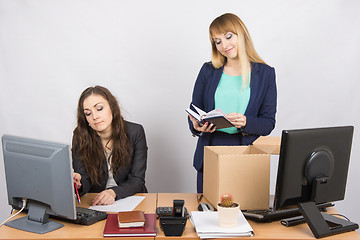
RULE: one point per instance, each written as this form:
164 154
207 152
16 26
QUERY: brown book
131 219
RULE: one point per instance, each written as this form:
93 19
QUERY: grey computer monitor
41 173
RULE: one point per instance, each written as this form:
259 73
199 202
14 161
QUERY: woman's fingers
105 197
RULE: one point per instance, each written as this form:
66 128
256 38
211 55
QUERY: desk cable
199 197
340 215
9 218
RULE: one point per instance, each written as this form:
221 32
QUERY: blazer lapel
254 86
215 79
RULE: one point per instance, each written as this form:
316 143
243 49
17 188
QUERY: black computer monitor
313 168
41 173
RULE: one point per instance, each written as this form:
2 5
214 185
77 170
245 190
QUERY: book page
192 113
215 113
201 112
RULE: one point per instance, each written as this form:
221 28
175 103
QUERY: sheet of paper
121 205
209 236
208 223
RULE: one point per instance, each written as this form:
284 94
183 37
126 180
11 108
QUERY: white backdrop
148 53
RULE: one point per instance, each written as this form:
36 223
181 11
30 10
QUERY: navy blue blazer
260 112
130 179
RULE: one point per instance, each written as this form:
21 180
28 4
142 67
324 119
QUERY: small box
242 171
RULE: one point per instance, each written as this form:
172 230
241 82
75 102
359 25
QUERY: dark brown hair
87 144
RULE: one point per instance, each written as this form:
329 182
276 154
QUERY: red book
112 227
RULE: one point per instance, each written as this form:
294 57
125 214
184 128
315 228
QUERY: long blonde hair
229 22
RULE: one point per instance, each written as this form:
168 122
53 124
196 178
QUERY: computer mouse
205 207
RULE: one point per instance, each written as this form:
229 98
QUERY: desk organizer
173 226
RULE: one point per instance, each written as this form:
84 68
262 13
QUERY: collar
254 67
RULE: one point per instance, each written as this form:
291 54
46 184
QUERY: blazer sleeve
198 94
264 121
133 180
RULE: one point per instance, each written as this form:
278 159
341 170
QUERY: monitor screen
313 168
41 173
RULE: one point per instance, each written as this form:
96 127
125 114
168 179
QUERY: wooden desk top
77 231
262 231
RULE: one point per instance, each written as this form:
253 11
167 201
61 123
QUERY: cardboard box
242 171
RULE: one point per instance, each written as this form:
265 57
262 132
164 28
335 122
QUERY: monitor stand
322 224
36 221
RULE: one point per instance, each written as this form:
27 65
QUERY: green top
230 96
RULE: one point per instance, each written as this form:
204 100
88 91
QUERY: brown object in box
242 171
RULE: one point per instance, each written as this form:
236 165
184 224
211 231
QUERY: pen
77 192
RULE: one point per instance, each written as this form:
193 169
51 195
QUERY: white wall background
148 53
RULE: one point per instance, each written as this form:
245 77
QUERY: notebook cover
112 227
131 219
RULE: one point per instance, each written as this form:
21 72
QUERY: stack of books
130 224
207 226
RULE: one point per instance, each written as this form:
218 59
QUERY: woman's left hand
238 119
105 197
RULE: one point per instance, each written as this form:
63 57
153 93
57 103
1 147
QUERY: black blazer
131 178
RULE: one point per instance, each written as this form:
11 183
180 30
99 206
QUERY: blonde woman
239 82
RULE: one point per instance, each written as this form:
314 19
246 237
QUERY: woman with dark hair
109 153
237 81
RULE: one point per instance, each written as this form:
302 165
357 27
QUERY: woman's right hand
77 178
202 127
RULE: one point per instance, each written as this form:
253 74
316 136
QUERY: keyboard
87 216
269 215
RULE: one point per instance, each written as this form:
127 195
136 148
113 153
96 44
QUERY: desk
77 231
272 230
262 231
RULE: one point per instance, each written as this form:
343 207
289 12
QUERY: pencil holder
173 226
